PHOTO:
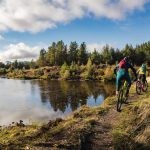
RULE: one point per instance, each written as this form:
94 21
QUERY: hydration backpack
122 65
143 68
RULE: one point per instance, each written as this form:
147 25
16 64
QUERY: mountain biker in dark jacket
121 71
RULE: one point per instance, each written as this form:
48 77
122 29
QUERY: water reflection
62 94
39 100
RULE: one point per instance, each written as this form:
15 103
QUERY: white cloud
19 51
1 37
37 15
97 46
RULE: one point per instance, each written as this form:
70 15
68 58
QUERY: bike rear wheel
120 100
138 87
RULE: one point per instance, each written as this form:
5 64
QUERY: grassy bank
65 73
87 127
132 131
71 133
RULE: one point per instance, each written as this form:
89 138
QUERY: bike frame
122 98
140 86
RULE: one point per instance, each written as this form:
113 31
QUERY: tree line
59 53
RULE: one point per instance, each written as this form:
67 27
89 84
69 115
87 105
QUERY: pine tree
96 58
50 58
59 53
64 54
106 54
82 54
72 53
32 64
42 58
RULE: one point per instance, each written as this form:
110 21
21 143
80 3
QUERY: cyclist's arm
134 71
147 70
138 71
115 69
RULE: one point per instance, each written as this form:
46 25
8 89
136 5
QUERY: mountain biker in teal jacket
121 70
142 73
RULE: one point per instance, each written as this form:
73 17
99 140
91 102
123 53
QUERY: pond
41 100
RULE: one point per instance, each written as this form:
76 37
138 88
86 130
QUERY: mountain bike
140 86
123 94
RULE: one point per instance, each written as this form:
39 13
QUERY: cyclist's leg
139 76
118 81
129 82
144 78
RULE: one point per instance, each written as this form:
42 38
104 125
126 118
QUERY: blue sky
26 27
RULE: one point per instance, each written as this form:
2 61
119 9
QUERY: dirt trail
101 139
148 79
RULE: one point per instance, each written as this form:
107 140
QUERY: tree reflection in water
64 94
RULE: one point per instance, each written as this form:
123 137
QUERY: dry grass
133 128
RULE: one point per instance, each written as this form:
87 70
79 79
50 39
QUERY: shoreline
59 79
84 122
100 126
57 73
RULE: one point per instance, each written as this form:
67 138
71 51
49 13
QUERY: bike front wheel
138 87
145 86
120 100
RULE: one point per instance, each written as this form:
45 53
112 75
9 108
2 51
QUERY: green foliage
33 64
89 73
73 67
109 73
64 67
100 72
73 70
129 51
3 71
42 58
82 54
89 64
106 54
50 56
96 57
39 72
59 53
2 65
69 72
65 71
78 61
72 53
66 74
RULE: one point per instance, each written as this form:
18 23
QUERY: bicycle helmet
143 65
126 59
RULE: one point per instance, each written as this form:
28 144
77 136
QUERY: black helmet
126 59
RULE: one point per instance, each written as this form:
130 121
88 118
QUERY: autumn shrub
89 72
65 71
39 72
3 71
109 73
66 74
